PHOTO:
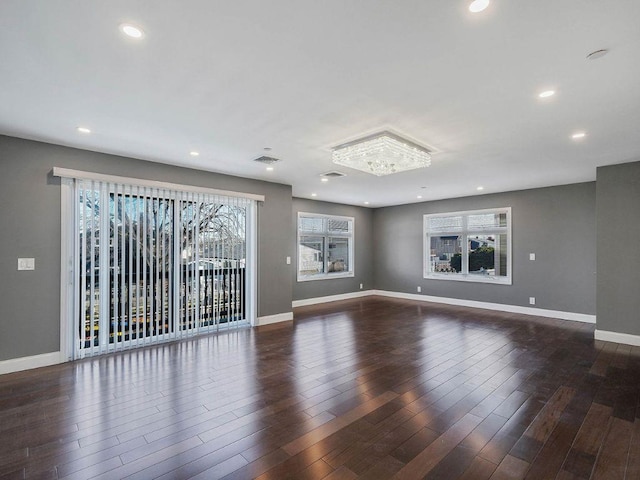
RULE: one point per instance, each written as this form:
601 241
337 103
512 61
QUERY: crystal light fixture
381 154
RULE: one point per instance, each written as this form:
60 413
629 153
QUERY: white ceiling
230 78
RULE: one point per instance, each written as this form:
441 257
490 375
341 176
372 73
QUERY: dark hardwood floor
372 388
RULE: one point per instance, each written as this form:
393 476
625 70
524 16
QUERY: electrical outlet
288 260
360 286
26 264
532 256
532 300
419 289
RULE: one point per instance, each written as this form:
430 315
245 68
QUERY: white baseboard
501 307
331 298
616 337
278 317
26 363
539 312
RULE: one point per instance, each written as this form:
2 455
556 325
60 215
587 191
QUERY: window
325 246
470 246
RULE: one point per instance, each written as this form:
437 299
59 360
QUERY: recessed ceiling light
131 30
193 153
578 135
314 194
597 54
325 180
269 169
478 5
83 130
480 188
419 196
547 94
366 203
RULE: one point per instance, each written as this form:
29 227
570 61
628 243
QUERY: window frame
326 234
465 233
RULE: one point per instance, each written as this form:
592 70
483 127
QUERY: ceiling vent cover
267 160
334 174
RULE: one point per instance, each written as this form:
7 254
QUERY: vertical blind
154 264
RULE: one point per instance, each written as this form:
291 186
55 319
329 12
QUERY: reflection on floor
370 388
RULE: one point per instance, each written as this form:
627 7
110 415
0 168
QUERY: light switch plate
532 256
26 264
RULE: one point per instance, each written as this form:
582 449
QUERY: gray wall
363 220
30 219
556 223
618 223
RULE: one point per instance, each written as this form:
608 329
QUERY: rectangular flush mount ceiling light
382 154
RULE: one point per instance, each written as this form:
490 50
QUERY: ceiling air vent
267 160
333 174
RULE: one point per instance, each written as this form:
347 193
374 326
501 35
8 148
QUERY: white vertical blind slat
136 273
126 325
130 262
195 264
144 218
82 267
163 266
226 278
104 293
234 264
176 278
113 216
76 333
92 267
152 266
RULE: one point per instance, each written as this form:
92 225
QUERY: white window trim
464 232
326 275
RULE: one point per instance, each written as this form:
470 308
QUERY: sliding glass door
151 265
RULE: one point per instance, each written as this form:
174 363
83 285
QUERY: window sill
470 278
325 276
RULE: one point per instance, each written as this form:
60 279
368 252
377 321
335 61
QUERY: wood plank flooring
372 388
